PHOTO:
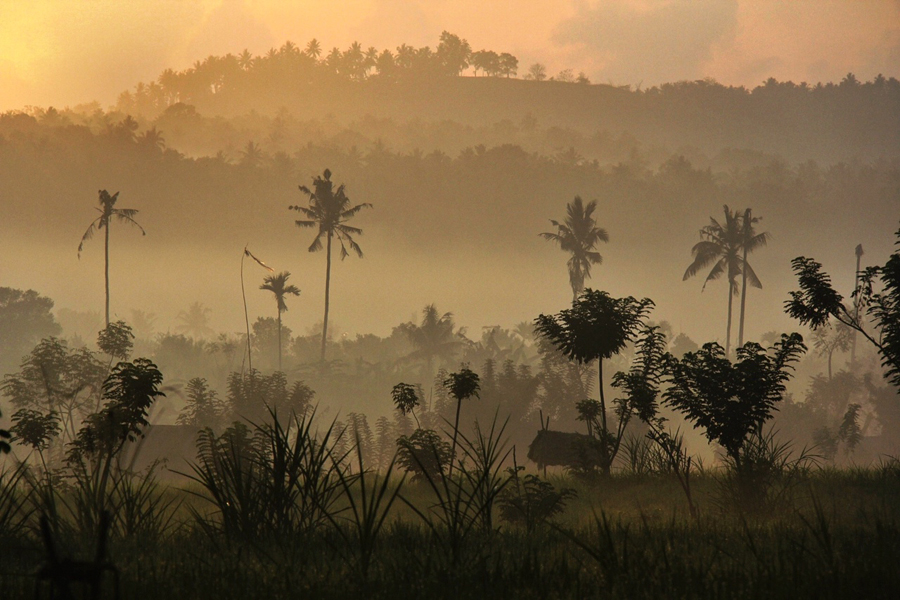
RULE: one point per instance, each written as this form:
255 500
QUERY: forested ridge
824 121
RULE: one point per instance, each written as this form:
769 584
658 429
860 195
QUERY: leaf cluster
731 400
597 325
640 384
405 397
817 301
530 501
423 453
268 478
130 390
463 384
116 340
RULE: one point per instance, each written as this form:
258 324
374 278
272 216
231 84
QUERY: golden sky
64 52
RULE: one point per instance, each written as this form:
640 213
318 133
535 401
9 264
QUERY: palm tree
277 284
750 241
579 236
434 339
313 49
723 247
108 211
245 60
329 210
195 321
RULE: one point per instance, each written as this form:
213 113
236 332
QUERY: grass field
832 534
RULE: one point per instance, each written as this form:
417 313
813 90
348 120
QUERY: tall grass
367 512
14 500
463 502
840 541
268 481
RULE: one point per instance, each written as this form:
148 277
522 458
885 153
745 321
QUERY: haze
463 172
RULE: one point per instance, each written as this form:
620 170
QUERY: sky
67 52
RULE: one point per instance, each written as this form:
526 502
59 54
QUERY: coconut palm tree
195 321
313 49
750 241
579 236
434 339
329 209
277 284
108 211
723 247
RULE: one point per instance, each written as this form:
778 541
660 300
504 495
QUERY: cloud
654 42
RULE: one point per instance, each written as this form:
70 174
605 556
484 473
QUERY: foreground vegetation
836 536
292 505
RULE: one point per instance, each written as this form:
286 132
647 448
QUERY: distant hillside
828 123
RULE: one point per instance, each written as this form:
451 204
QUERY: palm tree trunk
279 340
246 320
327 290
744 279
106 271
731 287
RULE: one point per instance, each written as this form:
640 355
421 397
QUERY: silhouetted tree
817 302
461 385
25 319
202 407
596 327
579 236
108 211
329 210
313 49
731 401
195 321
750 241
116 340
433 339
453 53
537 72
723 246
277 284
509 65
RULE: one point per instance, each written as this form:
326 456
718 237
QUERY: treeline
293 67
208 373
823 121
46 163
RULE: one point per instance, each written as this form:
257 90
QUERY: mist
300 287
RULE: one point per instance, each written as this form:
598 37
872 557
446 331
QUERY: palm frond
304 210
348 230
715 273
705 253
317 243
757 241
350 212
752 279
127 219
125 212
87 235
